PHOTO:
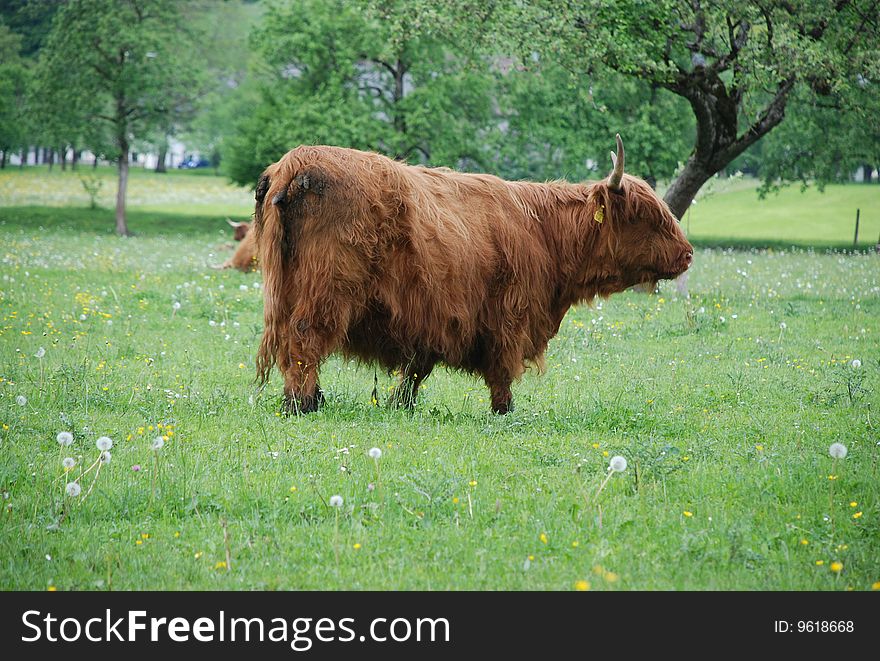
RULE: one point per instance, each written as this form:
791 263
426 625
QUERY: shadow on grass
102 221
731 243
157 223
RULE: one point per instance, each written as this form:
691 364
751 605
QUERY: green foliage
334 73
14 77
118 71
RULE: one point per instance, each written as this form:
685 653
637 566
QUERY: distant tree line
784 89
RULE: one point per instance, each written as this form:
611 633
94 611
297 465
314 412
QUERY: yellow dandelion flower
138 542
836 567
595 446
531 558
52 588
688 514
857 515
220 565
543 538
455 500
604 453
292 489
805 542
575 544
581 586
177 534
853 504
356 547
198 555
611 577
145 535
819 563
759 448
875 586
472 483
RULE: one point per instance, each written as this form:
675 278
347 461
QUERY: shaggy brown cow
245 256
410 266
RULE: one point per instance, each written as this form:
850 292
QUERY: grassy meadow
724 405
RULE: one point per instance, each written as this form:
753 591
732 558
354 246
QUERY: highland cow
245 256
409 266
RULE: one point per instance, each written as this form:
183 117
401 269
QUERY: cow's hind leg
307 350
414 372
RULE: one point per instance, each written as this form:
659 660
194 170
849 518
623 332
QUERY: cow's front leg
411 378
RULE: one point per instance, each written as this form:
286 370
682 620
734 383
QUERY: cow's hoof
294 405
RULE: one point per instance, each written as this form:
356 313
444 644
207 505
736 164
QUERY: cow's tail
270 250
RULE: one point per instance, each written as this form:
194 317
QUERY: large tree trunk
2 159
62 158
163 154
719 141
686 186
121 225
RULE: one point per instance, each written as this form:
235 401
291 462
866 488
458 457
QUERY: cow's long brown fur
409 266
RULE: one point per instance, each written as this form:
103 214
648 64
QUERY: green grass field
724 405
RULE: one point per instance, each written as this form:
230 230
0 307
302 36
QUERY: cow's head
648 242
239 229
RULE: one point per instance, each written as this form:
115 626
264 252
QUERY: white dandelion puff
335 501
782 325
837 450
175 306
73 489
375 453
21 400
106 457
617 464
104 443
856 364
64 438
40 353
157 443
68 463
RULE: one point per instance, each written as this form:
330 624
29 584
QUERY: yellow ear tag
599 216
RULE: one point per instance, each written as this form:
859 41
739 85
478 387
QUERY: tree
111 62
13 83
737 64
369 77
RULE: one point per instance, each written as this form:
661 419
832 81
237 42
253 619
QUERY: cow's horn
233 223
617 160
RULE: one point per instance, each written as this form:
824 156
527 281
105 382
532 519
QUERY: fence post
856 237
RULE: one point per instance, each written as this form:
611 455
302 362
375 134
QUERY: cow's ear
261 189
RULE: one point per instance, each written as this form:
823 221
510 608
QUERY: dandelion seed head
106 457
73 489
856 364
617 464
837 450
335 501
157 443
40 353
68 463
175 305
21 400
104 443
64 438
375 453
